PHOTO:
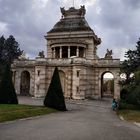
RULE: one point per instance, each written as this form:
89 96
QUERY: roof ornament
62 10
73 12
82 10
41 54
22 56
73 2
108 54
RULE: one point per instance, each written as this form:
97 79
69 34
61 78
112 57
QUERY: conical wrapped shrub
54 97
7 90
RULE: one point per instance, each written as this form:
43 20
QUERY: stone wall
81 77
17 78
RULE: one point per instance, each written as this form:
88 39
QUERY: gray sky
116 22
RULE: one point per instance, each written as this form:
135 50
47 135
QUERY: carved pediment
61 41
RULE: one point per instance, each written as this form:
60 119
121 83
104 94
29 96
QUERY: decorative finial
108 54
73 3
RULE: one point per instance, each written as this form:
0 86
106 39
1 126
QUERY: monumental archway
25 83
115 77
107 84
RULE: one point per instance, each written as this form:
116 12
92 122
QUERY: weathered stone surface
72 47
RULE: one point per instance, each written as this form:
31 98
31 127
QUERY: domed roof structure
72 20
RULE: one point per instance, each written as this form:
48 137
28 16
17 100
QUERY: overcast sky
116 22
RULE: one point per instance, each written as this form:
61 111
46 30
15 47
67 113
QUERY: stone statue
108 54
22 56
82 10
41 54
62 10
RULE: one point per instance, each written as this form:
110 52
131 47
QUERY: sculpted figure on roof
108 54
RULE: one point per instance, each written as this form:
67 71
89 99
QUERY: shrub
131 95
7 90
123 105
54 98
123 94
136 91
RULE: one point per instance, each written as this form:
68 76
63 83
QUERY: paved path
85 120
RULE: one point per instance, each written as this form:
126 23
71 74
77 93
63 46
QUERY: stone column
84 52
17 82
40 81
32 84
116 88
94 52
60 52
68 51
54 53
77 51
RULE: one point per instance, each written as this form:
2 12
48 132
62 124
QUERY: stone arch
116 74
25 83
63 80
107 84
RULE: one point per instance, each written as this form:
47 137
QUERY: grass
13 112
129 112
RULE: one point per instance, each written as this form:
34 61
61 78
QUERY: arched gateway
25 83
107 85
71 46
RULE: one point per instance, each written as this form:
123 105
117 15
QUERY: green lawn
129 112
13 112
130 115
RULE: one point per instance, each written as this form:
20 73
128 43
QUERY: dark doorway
64 52
73 50
25 83
81 52
57 52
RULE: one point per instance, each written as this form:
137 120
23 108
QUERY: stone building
72 47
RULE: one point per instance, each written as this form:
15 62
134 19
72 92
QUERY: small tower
72 36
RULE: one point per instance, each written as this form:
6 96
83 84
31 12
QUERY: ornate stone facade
71 46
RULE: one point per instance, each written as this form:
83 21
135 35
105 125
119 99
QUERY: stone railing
61 61
109 62
67 62
23 63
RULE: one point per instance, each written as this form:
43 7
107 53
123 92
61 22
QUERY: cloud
76 3
3 27
28 21
115 22
134 4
